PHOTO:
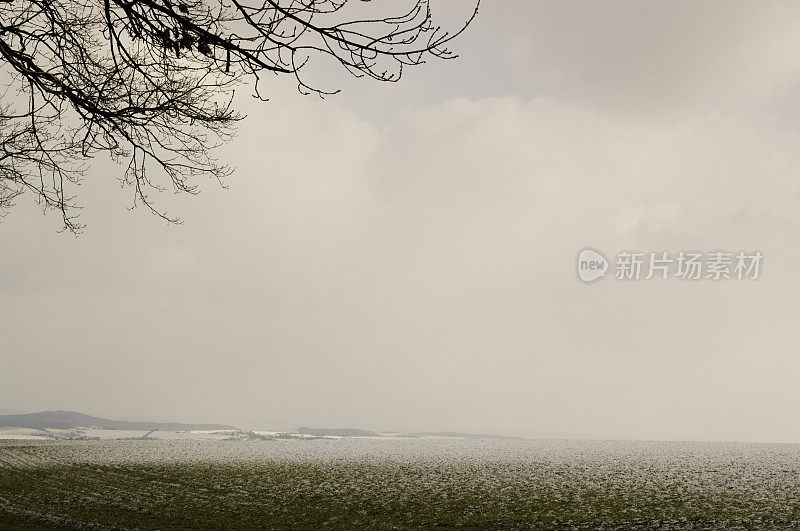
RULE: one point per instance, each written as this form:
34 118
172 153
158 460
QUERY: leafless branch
151 82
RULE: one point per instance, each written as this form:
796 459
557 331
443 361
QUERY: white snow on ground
216 435
97 433
213 435
199 435
23 433
111 434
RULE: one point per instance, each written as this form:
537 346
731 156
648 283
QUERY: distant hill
340 432
70 419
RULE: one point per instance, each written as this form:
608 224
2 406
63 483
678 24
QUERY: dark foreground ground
398 484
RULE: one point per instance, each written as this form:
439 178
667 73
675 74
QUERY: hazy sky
402 257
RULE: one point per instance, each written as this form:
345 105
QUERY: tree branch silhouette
151 82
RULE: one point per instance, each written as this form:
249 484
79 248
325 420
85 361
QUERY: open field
398 483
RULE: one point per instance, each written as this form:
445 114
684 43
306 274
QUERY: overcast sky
402 256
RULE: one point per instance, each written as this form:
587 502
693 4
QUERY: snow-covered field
399 482
97 433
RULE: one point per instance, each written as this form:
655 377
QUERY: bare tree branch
151 82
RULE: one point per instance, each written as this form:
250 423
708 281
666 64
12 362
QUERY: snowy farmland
396 482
